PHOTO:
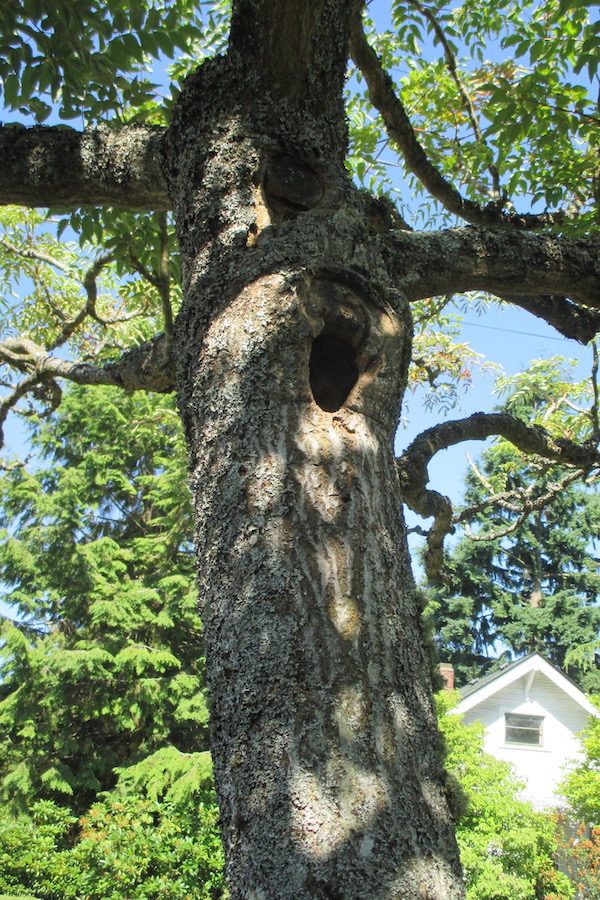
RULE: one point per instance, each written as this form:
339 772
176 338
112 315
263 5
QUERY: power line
545 337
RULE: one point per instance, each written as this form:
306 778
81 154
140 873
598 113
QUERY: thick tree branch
535 271
144 367
65 168
397 123
532 439
575 322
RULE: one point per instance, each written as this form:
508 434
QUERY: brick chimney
446 670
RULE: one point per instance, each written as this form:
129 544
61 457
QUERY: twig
464 94
525 508
22 388
31 253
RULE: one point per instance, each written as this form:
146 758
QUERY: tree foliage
581 785
506 847
101 663
127 847
500 96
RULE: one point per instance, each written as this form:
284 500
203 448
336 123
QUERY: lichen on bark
292 349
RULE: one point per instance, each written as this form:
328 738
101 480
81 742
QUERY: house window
523 729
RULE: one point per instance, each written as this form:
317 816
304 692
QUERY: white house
532 714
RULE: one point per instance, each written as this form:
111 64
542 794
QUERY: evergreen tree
100 666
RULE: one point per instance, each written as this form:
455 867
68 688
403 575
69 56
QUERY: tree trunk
291 369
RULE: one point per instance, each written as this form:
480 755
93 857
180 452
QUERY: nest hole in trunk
333 370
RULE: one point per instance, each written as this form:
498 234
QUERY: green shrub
122 849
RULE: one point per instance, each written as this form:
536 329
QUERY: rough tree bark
291 352
291 364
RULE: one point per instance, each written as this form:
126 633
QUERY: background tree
290 352
580 846
525 575
102 665
581 785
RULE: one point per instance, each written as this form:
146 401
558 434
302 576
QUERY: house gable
532 714
484 688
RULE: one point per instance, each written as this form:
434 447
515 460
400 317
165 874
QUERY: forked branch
531 439
144 367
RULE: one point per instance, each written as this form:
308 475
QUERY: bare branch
32 253
522 504
574 322
385 99
61 167
532 439
23 387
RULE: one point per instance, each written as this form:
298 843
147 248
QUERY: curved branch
24 387
532 439
385 99
61 167
89 307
